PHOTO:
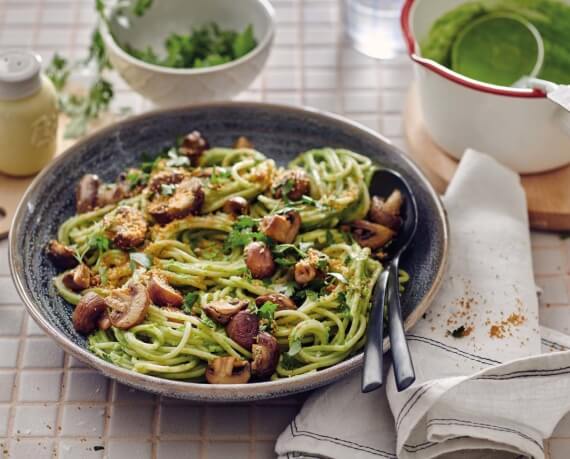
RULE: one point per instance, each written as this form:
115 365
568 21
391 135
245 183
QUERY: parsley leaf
244 42
207 321
267 310
58 71
329 239
141 6
219 174
189 301
99 242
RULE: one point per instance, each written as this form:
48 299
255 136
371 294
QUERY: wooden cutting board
13 188
548 193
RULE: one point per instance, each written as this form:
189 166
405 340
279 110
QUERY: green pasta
201 256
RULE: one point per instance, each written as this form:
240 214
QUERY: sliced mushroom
104 322
165 178
61 256
222 311
243 142
259 260
304 272
109 193
88 312
128 306
228 370
193 146
283 302
236 206
371 235
78 279
281 227
86 193
265 356
162 294
127 227
243 328
187 199
394 203
296 181
378 213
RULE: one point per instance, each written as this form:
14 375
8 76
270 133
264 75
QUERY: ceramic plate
277 131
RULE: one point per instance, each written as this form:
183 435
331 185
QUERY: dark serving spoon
383 182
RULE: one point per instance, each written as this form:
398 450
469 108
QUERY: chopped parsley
205 46
189 301
207 321
136 178
219 174
267 310
242 234
459 332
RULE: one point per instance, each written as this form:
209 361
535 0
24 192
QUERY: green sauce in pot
502 45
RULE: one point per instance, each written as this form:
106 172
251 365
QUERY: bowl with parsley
176 52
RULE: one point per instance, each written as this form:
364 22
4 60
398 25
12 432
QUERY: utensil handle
403 366
372 377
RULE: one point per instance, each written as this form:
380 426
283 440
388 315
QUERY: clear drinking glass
373 27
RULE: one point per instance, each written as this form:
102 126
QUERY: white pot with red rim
519 127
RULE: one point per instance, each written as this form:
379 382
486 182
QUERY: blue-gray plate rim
29 232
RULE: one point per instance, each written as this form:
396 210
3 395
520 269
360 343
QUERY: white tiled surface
51 405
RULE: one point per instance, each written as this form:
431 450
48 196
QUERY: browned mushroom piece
126 227
61 255
243 328
162 294
387 213
187 199
265 356
222 311
78 279
128 306
394 203
281 228
296 181
304 272
88 312
236 206
228 370
283 302
109 193
193 146
165 178
259 260
86 193
371 235
104 322
243 142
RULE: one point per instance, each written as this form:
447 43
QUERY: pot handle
558 94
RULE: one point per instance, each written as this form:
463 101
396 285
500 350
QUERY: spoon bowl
383 182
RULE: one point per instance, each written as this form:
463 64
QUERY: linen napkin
487 384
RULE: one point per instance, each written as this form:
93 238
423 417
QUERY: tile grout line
300 48
107 416
66 359
155 426
22 341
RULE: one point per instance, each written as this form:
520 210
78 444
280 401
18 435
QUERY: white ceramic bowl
519 127
168 87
